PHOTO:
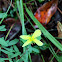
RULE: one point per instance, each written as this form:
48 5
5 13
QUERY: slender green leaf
2 28
3 42
53 53
30 57
13 42
9 49
6 52
30 22
16 54
2 59
15 48
35 50
2 15
42 58
21 13
9 31
10 60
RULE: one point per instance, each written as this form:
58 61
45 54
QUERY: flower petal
25 37
36 33
26 43
39 43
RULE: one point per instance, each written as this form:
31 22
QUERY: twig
24 53
59 10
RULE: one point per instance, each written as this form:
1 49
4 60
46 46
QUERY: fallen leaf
46 11
59 28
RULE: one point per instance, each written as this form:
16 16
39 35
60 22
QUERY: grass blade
21 13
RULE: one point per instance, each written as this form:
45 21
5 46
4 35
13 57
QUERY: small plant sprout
32 38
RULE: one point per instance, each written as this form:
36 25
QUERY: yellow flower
32 38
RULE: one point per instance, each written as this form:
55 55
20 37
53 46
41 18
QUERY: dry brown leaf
46 11
59 28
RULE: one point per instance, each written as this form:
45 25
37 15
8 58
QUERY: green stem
9 31
43 58
6 13
30 57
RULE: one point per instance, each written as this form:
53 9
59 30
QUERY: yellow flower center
31 38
